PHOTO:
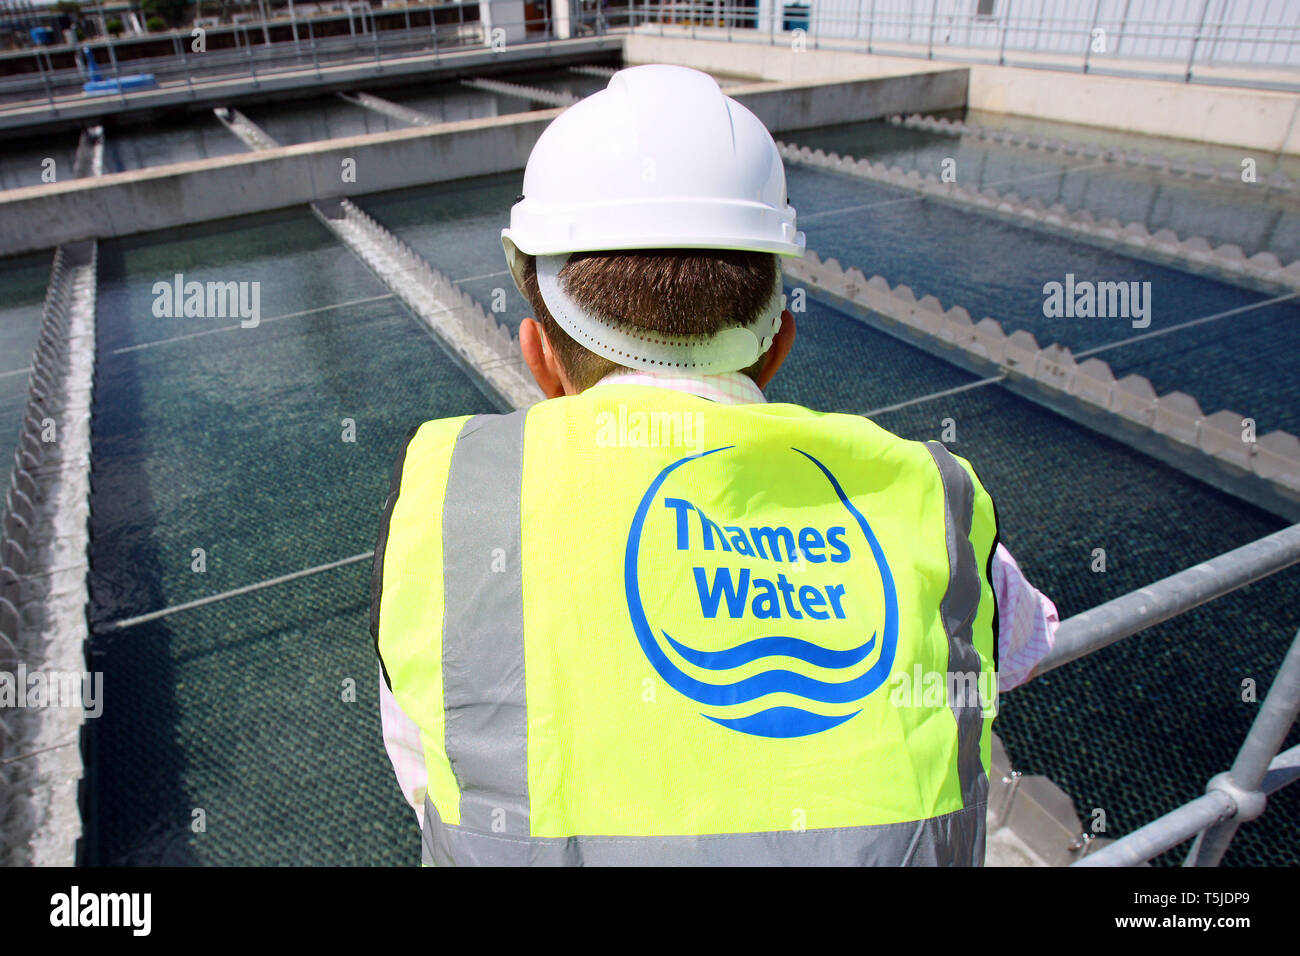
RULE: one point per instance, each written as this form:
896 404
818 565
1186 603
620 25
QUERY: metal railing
1096 36
251 58
1239 795
1171 596
376 42
1102 36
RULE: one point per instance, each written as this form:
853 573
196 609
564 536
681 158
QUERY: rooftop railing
1192 43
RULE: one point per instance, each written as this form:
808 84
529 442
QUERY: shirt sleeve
405 750
1027 622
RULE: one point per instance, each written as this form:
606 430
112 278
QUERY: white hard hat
659 159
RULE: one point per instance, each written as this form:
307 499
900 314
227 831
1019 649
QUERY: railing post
1087 41
934 16
252 67
185 63
311 40
1243 781
1191 57
112 54
871 24
1123 25
49 89
1006 28
117 70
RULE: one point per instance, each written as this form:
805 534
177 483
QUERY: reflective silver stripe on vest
483 625
960 604
956 839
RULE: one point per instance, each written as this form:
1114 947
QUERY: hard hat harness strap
730 350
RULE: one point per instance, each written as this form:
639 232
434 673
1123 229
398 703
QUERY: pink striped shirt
1027 619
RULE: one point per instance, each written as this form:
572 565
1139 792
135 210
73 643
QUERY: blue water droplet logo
774 721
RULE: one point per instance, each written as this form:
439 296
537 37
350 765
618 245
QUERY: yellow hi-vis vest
635 626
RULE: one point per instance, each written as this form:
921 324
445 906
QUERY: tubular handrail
1234 797
1163 834
1231 798
1124 616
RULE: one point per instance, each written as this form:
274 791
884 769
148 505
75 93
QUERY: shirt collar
727 388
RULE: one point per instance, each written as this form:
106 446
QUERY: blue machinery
119 84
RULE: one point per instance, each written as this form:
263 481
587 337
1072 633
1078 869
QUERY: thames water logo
798 594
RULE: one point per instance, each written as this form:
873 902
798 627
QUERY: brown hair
671 291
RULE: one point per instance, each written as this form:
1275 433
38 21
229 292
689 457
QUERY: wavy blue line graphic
783 722
774 646
776 721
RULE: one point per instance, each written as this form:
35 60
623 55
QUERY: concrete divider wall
162 197
1177 417
793 106
1177 166
122 204
1228 261
1252 119
753 56
487 350
44 588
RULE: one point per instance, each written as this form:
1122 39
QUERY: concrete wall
792 106
38 217
1229 116
783 62
1252 119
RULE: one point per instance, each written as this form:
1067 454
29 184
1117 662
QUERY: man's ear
779 350
542 360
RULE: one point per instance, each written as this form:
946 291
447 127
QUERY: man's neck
726 388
